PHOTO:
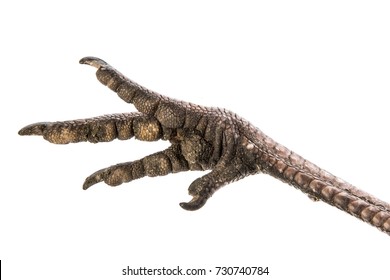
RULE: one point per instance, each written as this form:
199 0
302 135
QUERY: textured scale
202 138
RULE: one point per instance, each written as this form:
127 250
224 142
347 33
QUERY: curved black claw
201 190
196 203
112 176
34 129
93 61
93 179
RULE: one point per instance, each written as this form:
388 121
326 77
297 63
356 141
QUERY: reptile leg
99 129
202 138
158 164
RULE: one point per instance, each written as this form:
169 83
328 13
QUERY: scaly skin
202 138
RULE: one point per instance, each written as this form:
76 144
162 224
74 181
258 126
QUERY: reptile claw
196 203
87 185
93 61
93 179
33 129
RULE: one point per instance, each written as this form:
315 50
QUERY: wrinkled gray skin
202 138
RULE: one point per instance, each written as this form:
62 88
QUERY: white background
314 75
